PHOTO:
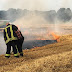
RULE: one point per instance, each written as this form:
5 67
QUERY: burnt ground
37 43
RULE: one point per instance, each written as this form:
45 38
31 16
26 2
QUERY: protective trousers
14 46
19 45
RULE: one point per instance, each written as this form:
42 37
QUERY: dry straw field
55 57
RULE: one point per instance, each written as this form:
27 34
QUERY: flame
56 37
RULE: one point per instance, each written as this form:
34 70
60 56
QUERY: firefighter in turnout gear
19 42
10 39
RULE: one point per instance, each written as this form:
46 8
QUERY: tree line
63 14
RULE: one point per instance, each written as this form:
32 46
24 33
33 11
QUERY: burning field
48 48
55 57
38 32
45 34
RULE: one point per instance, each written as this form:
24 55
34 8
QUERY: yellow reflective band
13 38
16 47
6 34
4 38
7 26
16 54
11 31
7 55
9 39
21 52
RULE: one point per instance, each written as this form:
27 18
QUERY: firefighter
10 40
19 41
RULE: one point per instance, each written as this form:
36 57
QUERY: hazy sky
35 4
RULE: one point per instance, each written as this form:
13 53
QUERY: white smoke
32 25
31 21
25 4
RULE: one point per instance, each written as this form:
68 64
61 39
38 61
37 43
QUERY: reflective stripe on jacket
7 35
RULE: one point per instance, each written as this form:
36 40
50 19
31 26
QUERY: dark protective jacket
9 33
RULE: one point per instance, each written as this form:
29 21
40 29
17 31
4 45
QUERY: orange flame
56 37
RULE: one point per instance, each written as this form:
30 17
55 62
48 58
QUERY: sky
42 5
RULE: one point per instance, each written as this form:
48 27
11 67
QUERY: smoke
25 4
35 27
31 21
32 26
